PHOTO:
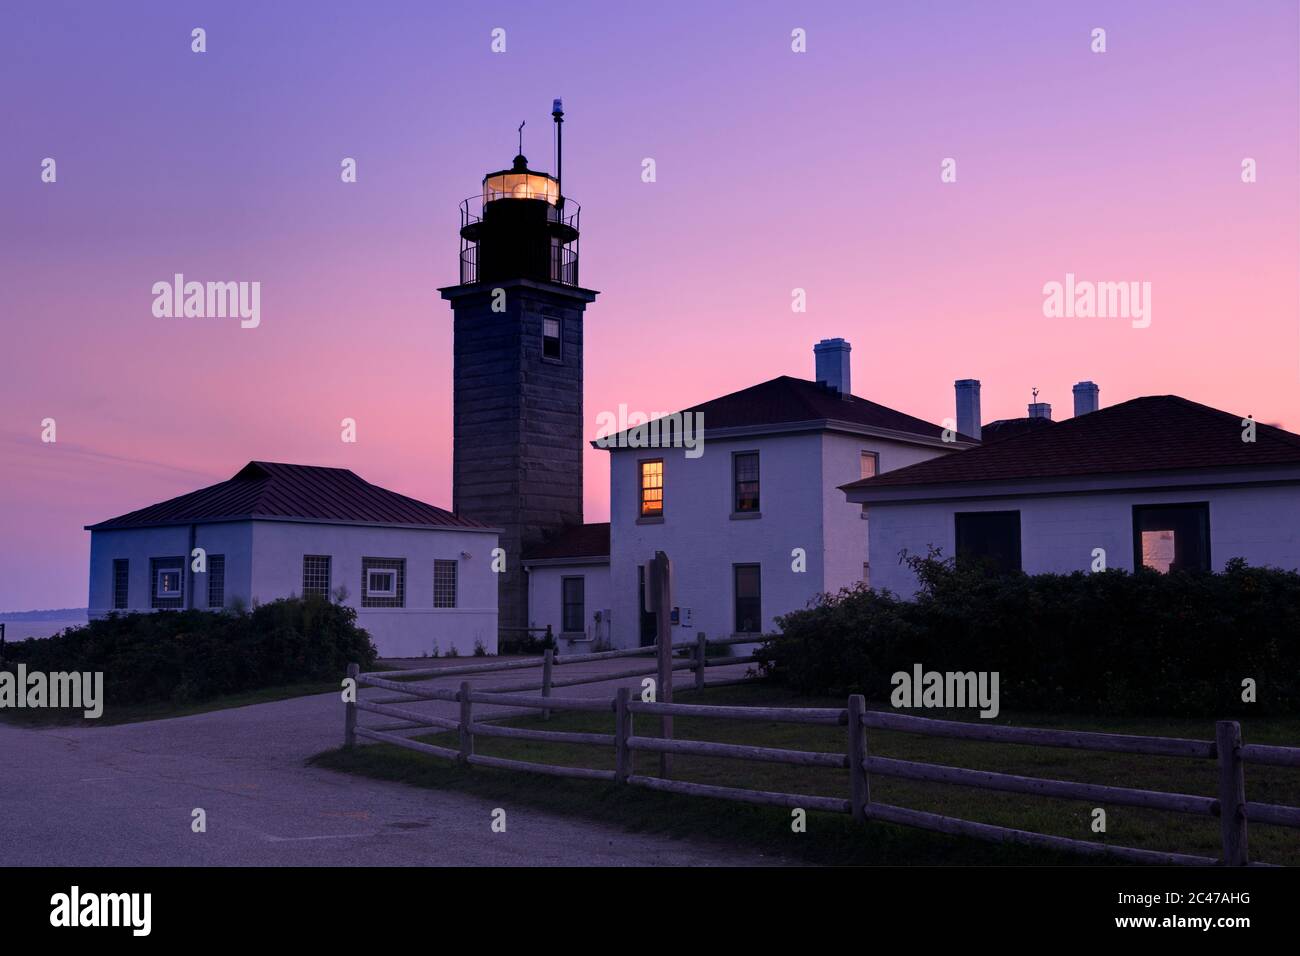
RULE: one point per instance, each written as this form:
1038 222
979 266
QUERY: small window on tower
551 338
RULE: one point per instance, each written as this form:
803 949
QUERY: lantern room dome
519 226
520 182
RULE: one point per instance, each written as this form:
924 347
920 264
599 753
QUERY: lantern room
519 226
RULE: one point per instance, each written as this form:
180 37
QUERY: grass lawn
834 838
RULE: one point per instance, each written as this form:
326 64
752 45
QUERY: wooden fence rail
698 661
1230 805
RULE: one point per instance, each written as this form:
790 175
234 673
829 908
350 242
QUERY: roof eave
586 560
615 442
1096 483
109 526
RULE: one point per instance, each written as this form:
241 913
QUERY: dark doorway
649 619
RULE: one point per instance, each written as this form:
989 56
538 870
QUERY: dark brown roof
1156 433
270 490
787 401
1010 427
576 541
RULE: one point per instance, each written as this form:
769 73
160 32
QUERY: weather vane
521 138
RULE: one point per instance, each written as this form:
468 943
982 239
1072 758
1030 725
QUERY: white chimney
968 406
1087 398
832 360
1040 410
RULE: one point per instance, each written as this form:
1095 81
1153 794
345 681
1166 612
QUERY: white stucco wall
545 601
846 539
264 562
800 507
410 631
1058 533
231 539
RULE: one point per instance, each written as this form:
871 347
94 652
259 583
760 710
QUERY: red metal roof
1155 433
577 541
271 490
787 401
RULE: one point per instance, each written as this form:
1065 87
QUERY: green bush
1108 643
189 656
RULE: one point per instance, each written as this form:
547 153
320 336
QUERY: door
649 620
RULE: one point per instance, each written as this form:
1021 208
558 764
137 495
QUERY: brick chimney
1087 398
832 360
968 406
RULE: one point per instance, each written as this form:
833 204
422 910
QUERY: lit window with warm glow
1174 537
521 186
652 488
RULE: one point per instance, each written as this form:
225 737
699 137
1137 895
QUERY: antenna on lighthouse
557 113
521 137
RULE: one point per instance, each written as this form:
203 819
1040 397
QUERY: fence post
548 661
700 651
662 585
622 731
466 738
859 786
1232 792
350 710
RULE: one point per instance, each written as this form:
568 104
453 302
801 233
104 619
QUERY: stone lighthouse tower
518 312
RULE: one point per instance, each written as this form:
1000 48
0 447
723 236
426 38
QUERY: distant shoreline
24 625
51 614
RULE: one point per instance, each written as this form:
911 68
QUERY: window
868 467
551 338
216 580
121 587
316 575
167 577
990 537
444 583
749 605
744 468
572 596
1172 537
652 488
870 464
383 582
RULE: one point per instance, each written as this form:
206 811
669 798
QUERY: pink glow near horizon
774 171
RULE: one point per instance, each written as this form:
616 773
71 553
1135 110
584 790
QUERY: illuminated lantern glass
521 186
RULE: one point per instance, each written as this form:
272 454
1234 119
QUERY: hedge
1108 643
189 656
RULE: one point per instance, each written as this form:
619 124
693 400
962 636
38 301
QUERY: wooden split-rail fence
1230 805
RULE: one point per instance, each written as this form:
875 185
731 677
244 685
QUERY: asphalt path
124 795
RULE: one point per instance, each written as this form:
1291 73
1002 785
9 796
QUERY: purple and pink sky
775 170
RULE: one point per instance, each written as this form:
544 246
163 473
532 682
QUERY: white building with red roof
751 516
419 577
1159 481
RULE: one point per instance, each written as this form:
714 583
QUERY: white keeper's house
1160 481
420 577
751 517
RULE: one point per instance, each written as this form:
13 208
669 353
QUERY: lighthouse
517 365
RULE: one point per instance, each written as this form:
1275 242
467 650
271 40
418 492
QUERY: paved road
123 795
